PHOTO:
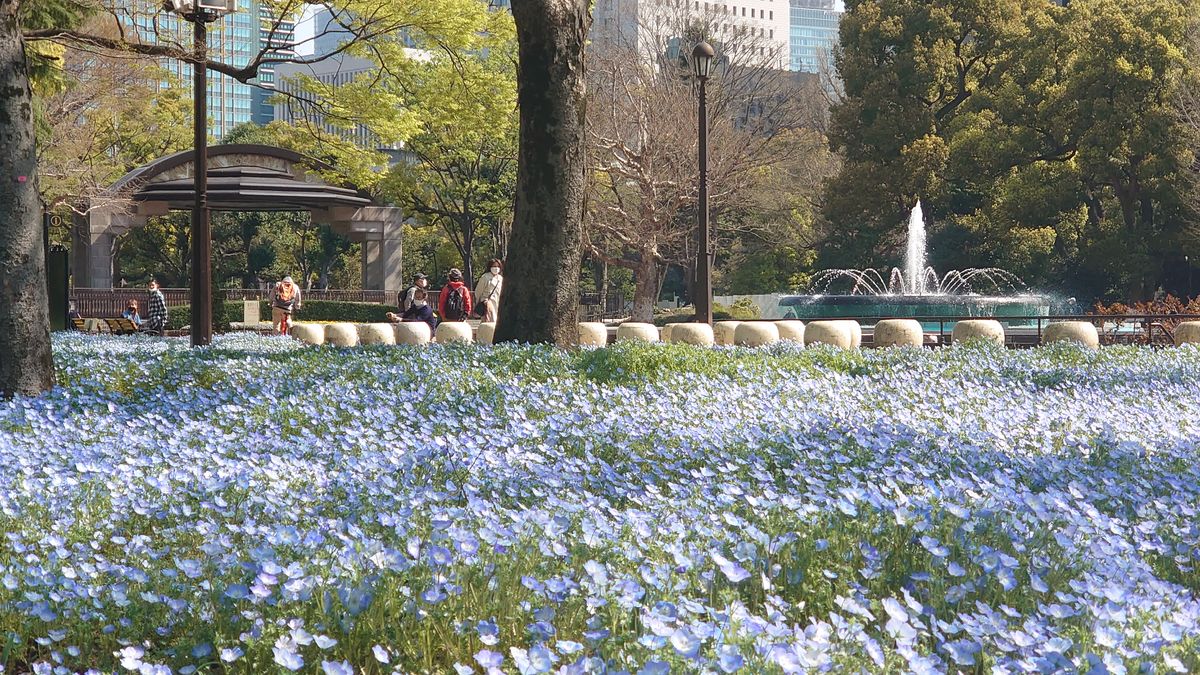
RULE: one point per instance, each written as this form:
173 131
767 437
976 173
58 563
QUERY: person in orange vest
287 300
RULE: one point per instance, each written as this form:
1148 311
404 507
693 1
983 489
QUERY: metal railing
1151 329
110 302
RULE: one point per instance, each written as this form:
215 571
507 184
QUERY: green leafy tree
462 169
1042 139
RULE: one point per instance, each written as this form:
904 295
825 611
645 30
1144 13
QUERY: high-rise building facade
279 35
236 39
814 34
758 28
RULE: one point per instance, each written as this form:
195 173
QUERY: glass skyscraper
814 34
235 39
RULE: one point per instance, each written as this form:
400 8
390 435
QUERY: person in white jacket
487 291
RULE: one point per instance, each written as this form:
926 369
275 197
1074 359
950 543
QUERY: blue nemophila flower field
261 507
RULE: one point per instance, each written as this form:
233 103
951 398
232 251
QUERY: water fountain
917 291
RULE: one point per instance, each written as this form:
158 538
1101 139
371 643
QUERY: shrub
354 312
741 310
223 312
313 310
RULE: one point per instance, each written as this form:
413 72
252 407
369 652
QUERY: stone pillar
371 268
94 239
92 255
382 231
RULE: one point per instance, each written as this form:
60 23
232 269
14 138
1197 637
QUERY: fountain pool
917 291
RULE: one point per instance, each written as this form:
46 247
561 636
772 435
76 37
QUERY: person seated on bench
131 313
419 310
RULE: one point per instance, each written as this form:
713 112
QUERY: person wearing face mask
421 282
487 291
418 310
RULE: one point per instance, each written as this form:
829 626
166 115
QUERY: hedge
313 310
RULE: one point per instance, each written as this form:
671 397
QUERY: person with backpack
420 282
454 304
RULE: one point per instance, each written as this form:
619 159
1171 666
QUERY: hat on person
455 273
420 275
288 280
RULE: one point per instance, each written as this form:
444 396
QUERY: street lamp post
1188 263
201 13
702 62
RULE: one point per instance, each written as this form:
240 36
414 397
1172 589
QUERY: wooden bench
121 326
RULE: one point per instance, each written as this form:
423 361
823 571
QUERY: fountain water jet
917 290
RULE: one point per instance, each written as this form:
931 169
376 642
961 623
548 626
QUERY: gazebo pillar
382 230
94 241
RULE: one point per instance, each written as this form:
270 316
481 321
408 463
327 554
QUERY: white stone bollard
309 333
643 332
723 332
341 334
1188 333
593 334
412 333
833 333
791 330
755 334
1080 332
855 329
664 333
486 333
899 333
375 334
699 334
982 329
454 331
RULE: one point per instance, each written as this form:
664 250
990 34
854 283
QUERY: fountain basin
870 308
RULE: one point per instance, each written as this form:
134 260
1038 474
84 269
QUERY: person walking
420 282
454 304
287 300
487 291
156 310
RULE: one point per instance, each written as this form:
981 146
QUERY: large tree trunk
645 293
25 362
540 302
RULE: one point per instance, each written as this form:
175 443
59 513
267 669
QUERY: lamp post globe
200 13
703 56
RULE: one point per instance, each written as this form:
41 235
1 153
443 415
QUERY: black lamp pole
201 225
702 57
1188 262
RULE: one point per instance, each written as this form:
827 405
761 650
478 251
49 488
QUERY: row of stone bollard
406 333
845 334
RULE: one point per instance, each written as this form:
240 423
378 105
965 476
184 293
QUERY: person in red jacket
454 304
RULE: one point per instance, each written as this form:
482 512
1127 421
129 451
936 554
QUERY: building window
751 12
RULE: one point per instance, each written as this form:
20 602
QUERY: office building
814 34
758 29
279 35
235 39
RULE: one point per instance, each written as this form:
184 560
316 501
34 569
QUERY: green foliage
355 312
1042 139
180 317
313 310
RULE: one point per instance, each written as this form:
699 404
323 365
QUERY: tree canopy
1043 139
